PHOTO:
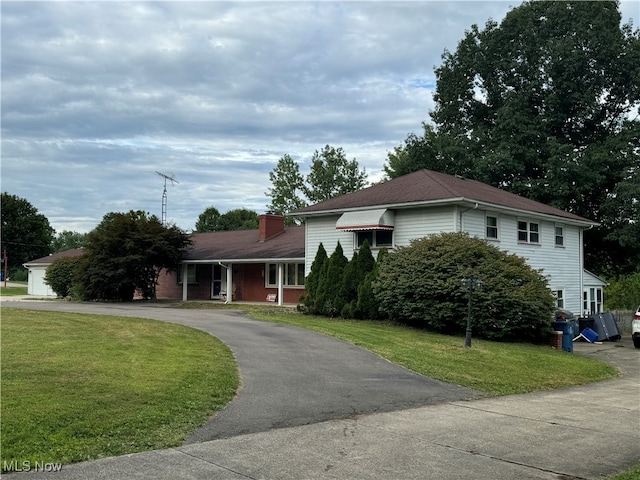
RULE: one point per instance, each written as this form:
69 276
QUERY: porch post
229 283
280 282
185 279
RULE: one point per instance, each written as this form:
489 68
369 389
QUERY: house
37 268
244 265
425 202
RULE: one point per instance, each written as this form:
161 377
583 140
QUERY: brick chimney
270 225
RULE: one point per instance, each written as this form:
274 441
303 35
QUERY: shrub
60 275
623 292
421 285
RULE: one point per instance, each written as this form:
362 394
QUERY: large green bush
623 292
60 275
421 285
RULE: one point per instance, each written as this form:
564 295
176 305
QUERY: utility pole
164 194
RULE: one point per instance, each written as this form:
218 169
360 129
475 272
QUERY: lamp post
471 283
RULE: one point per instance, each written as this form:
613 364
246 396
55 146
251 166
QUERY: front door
218 283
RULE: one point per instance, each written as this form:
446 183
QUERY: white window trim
555 236
529 231
375 239
284 271
497 227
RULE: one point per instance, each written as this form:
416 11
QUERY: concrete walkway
582 432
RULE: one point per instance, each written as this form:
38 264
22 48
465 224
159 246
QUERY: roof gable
427 186
49 259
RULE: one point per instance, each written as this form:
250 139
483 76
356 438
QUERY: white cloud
98 96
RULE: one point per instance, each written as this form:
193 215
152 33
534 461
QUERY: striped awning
380 219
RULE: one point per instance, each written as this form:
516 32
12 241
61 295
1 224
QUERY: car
635 328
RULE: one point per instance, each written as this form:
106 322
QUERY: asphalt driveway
289 376
582 432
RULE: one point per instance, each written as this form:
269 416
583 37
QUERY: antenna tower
164 194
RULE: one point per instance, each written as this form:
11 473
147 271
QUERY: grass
631 474
491 367
12 291
78 387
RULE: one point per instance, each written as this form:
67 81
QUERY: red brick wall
248 280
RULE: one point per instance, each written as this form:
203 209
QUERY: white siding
561 265
418 223
323 230
36 284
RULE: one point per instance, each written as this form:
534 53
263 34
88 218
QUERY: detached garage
37 268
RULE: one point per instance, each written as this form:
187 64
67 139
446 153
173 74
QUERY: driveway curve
290 376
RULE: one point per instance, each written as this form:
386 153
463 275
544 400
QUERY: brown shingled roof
73 252
245 245
426 186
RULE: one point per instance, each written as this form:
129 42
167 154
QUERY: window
293 275
191 273
492 227
559 298
592 301
376 238
528 232
559 236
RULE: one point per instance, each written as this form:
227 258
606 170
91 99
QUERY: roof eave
455 201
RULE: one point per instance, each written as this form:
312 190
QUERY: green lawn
77 387
12 291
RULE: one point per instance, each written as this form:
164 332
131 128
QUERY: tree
67 239
361 264
311 283
421 285
544 105
332 175
125 253
238 219
26 233
287 189
60 275
208 220
329 297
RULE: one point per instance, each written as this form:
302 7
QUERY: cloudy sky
98 96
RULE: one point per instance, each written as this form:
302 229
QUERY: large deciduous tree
238 219
545 105
26 233
287 191
68 239
125 253
207 220
330 175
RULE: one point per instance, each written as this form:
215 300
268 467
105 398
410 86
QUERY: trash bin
587 322
567 334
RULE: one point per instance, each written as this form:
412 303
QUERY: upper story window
376 238
491 227
528 232
559 236
293 275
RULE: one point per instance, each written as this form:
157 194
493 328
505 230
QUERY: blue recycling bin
567 329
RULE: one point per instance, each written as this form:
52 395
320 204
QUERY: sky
98 97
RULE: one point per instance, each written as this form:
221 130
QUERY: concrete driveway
583 432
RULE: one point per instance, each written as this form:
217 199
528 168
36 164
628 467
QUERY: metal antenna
164 194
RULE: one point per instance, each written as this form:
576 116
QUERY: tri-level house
425 202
